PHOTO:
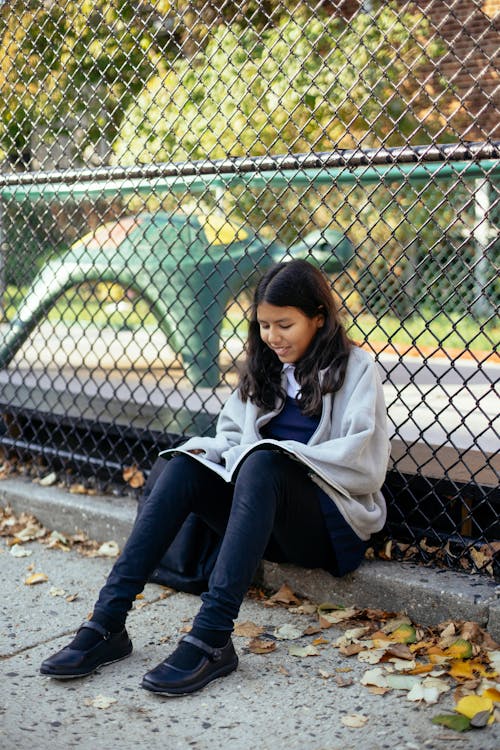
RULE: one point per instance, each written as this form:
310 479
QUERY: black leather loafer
70 662
214 662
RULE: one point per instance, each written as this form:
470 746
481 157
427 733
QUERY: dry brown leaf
78 489
261 646
312 630
285 596
374 690
327 619
398 651
247 629
351 649
343 681
134 477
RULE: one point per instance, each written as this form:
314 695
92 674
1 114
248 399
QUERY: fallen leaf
402 681
401 665
306 608
284 595
134 477
404 633
492 693
472 705
78 489
429 690
372 656
468 669
303 651
422 669
334 617
108 549
261 646
452 721
287 632
324 674
72 597
376 677
351 635
342 682
247 629
35 578
31 532
459 649
312 630
351 649
321 641
494 660
48 479
18 551
354 721
56 537
53 591
100 701
399 651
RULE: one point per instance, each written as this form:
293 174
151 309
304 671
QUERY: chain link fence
155 155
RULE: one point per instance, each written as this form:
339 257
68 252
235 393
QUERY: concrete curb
428 595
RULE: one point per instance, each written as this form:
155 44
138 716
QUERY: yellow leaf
470 705
460 649
405 633
466 670
422 669
36 578
493 694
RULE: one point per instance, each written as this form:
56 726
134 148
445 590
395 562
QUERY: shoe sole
74 676
194 686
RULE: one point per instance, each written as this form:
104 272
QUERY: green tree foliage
308 82
70 65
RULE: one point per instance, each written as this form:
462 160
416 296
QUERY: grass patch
107 305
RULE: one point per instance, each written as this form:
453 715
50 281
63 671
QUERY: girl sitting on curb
293 474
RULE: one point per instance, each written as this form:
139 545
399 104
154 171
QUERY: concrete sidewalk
428 595
272 702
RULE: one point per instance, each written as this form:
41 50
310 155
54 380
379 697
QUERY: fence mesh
155 155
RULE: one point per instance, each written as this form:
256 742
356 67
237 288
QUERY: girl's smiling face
287 330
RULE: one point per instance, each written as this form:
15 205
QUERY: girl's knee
264 466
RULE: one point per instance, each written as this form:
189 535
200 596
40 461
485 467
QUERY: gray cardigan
347 455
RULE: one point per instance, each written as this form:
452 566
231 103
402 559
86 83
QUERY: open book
266 444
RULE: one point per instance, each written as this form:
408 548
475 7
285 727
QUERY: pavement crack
30 647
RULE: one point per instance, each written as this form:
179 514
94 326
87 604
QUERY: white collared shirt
292 387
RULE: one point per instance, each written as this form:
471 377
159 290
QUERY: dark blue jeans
272 511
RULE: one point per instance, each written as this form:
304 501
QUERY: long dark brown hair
296 284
